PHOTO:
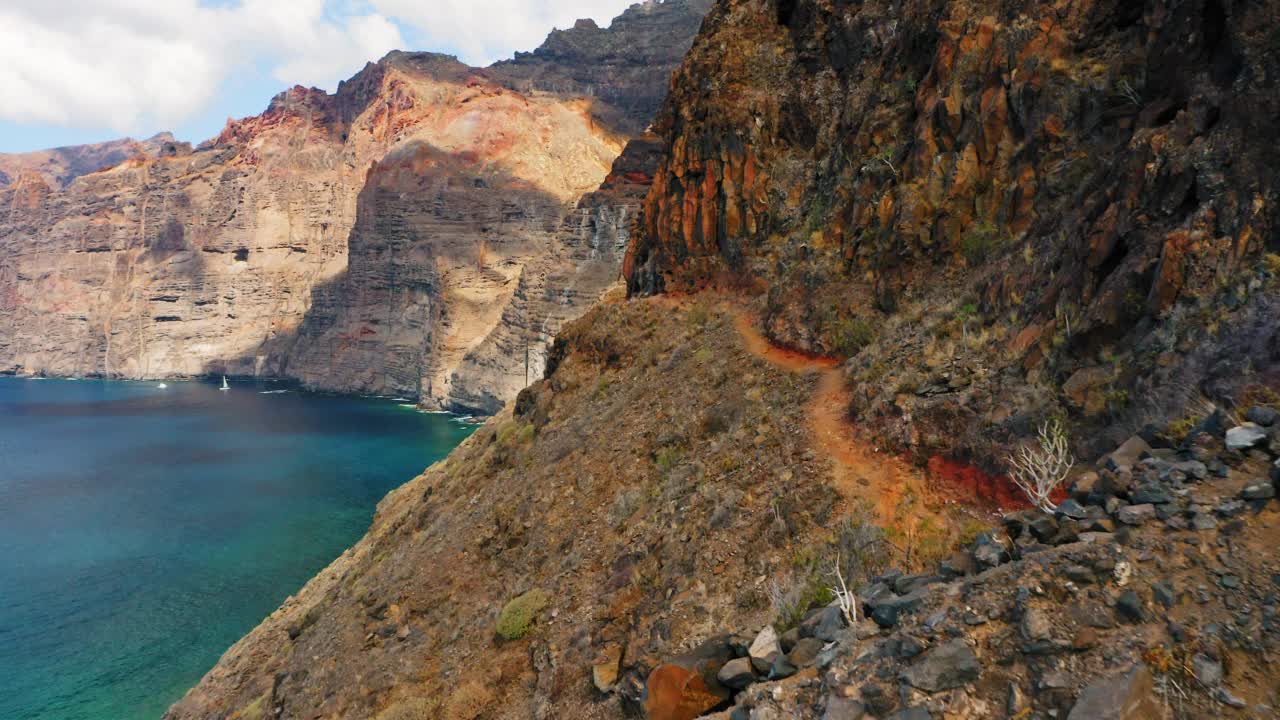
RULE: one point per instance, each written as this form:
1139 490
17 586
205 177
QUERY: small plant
699 315
844 598
1040 471
518 615
468 702
852 335
792 600
980 242
666 459
1271 264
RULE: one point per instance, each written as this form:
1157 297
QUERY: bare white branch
1039 471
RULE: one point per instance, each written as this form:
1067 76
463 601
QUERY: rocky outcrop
1025 209
400 236
59 166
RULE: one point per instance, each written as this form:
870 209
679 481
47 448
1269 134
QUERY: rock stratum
885 243
407 235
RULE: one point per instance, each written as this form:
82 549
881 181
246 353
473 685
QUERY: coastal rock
423 232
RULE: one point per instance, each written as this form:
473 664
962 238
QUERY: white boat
225 386
162 386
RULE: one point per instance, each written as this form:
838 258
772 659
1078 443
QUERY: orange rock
675 693
1169 275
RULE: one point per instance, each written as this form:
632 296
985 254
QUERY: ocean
144 530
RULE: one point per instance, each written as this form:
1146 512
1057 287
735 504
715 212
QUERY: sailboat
225 386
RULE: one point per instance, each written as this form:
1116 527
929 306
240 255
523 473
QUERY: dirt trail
860 472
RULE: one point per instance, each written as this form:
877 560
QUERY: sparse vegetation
519 613
791 600
468 702
980 242
851 335
1041 470
667 458
415 708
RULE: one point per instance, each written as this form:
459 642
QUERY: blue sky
83 71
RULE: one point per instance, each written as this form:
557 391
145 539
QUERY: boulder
1130 607
1258 491
1136 514
765 645
1036 624
604 671
1243 437
736 674
787 640
673 692
824 624
888 611
1127 455
1262 415
950 665
1072 509
1127 696
1207 670
782 668
1151 493
805 651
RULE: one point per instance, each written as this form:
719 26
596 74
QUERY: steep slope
369 241
1022 208
873 221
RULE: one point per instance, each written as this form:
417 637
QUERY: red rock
675 693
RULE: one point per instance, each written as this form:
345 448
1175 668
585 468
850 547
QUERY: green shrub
515 618
980 242
852 335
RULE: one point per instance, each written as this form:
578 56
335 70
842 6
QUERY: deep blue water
143 531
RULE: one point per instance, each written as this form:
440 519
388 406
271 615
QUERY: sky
84 71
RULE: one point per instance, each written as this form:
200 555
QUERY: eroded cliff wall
1003 210
399 236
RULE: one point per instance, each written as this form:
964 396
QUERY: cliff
886 243
1001 211
395 237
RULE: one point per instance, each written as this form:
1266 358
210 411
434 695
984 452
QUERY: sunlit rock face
403 235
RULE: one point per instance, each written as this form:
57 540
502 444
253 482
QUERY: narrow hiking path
922 519
860 472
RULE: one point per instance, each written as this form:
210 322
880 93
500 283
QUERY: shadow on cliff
421 213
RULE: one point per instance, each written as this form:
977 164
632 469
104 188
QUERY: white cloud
483 31
138 65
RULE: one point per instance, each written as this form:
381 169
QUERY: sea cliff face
386 239
886 244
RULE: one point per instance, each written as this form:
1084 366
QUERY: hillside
885 243
396 237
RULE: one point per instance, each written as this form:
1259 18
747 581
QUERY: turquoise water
143 531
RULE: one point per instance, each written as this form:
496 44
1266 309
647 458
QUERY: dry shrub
468 702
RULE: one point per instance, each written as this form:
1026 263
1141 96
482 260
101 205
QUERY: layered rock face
59 166
1061 197
421 220
973 219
